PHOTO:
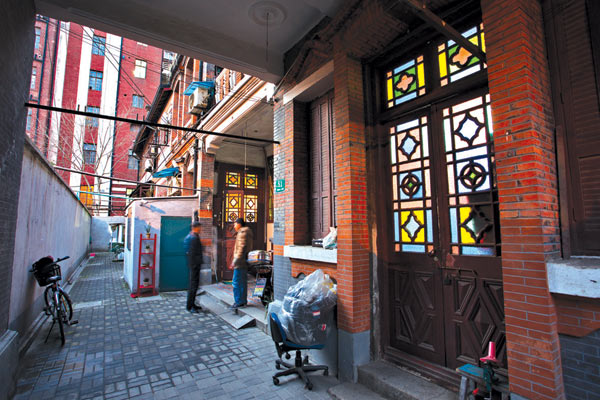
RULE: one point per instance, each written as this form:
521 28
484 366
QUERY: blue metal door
173 264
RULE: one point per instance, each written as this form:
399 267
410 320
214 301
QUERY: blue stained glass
486 183
490 124
465 72
419 194
411 96
393 149
408 145
477 251
429 220
404 66
470 32
453 225
396 227
407 125
414 248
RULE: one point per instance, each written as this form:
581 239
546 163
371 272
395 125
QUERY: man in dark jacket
193 251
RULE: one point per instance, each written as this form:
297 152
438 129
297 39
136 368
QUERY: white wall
150 211
102 233
50 221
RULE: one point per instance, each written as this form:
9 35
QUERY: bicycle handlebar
61 259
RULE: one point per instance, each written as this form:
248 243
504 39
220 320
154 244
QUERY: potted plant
148 229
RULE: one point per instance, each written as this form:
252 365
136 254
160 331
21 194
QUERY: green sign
279 185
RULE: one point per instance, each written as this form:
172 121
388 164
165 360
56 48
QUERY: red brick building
463 183
76 67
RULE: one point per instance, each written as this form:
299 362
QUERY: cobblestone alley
150 349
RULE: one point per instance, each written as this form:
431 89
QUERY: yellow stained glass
233 179
443 68
390 89
482 42
251 181
420 231
465 236
421 74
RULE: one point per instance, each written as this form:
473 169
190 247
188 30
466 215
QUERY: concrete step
254 312
238 321
393 382
352 391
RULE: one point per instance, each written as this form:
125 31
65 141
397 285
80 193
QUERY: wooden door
241 195
444 291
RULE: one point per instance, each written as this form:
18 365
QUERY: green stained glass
405 82
455 62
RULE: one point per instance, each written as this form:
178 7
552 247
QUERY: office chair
284 346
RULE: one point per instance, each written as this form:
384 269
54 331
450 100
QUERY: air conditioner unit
199 100
37 57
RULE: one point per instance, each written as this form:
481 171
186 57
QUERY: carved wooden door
444 293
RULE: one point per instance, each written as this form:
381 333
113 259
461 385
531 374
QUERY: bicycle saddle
53 279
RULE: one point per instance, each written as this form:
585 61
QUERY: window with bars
140 69
98 45
92 122
89 153
95 80
29 114
137 101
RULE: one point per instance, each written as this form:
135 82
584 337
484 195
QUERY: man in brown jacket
243 244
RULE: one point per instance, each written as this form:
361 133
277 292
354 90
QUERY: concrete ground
150 348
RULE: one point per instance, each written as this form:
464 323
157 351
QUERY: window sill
575 277
311 253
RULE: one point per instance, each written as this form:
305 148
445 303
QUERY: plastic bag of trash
330 241
305 309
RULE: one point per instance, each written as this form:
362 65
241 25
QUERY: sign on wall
279 185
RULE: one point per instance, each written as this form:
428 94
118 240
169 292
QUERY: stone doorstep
352 391
218 302
392 382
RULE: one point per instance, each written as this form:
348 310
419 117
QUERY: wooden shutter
573 40
322 162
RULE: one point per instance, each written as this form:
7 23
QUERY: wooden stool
471 375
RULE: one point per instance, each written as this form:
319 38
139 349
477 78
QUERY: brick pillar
206 176
354 320
527 187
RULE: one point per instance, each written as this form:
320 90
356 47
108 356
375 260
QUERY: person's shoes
234 306
243 305
194 310
197 308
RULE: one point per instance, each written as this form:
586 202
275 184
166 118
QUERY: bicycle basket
44 269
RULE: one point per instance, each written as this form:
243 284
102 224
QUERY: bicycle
58 304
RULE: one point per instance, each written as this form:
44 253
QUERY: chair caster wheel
275 381
309 386
277 366
326 372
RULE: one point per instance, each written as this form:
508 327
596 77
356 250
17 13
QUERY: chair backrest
276 329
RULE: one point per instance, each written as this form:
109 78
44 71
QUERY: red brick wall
526 171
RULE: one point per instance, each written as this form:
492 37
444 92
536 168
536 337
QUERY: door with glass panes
443 296
241 196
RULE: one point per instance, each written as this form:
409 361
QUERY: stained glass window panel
250 207
233 202
472 198
405 82
232 179
456 62
413 225
251 181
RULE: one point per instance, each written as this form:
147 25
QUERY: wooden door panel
416 312
476 319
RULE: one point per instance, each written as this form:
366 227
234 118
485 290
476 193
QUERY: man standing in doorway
193 251
243 244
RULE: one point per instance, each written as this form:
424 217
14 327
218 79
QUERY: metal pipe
154 124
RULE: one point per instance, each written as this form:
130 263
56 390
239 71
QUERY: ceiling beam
443 27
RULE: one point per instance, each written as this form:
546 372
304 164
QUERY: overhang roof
229 33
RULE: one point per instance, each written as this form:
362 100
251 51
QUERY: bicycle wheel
49 300
67 306
60 320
